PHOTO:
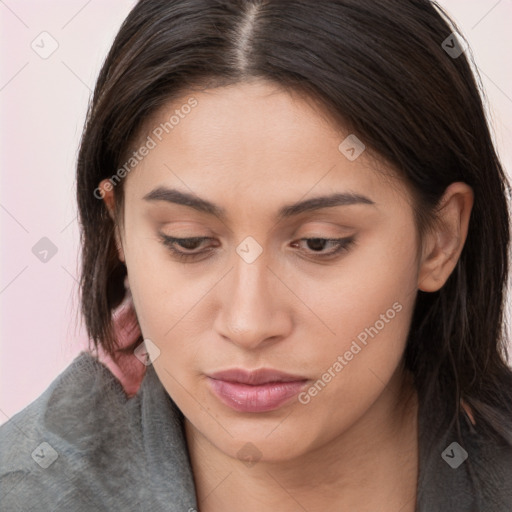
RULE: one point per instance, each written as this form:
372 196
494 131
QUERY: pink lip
257 391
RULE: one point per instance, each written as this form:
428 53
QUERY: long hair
384 70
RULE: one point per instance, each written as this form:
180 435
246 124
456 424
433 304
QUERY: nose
254 306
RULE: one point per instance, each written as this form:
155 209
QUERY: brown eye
316 246
189 244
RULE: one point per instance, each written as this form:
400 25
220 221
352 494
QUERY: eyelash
343 245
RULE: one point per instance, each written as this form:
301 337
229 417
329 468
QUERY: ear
107 192
443 245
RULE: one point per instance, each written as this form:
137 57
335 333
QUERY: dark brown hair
381 69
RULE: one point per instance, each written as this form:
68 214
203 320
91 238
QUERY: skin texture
251 149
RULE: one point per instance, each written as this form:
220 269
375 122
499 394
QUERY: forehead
251 139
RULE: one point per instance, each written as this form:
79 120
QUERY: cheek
365 308
365 284
159 287
167 305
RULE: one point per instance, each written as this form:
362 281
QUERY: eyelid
342 245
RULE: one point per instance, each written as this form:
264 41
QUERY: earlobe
108 197
119 245
107 194
444 243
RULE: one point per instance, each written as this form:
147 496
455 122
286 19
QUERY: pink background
43 104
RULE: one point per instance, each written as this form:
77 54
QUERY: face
271 276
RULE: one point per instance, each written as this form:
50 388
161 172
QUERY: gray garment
113 453
84 446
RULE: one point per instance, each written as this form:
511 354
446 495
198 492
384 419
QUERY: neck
371 466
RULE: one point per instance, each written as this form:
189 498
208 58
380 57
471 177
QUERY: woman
301 205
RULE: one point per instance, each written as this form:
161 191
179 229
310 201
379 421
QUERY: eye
317 246
189 246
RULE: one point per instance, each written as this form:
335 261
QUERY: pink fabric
126 367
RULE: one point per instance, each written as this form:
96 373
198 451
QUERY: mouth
255 391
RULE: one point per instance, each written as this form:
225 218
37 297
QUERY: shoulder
61 403
490 460
64 432
469 472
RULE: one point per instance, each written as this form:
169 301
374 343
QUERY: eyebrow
202 205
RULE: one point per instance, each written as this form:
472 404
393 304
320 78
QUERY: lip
255 377
255 391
